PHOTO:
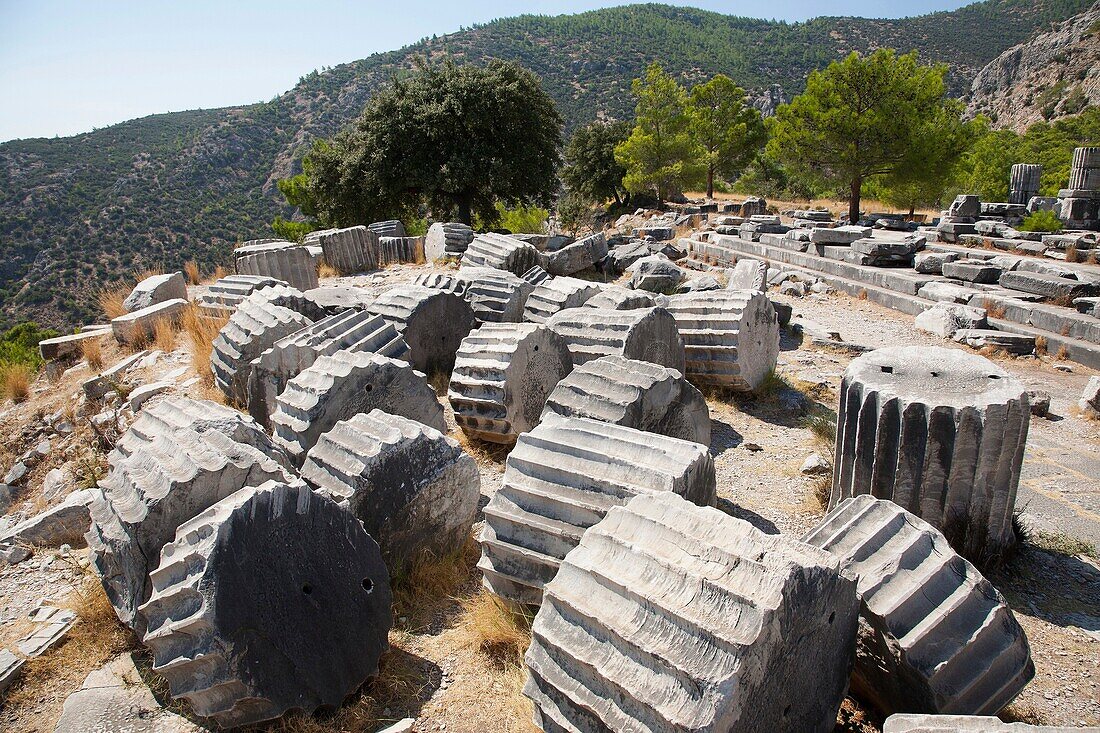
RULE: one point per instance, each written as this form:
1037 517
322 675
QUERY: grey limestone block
656 274
615 297
673 617
232 289
940 432
350 251
979 338
432 322
287 357
293 265
275 598
398 250
731 338
447 240
944 319
163 477
442 281
579 255
536 275
305 303
388 228
502 252
748 275
339 386
503 374
973 271
557 294
918 723
647 334
934 636
1048 286
838 235
252 329
412 487
636 394
156 289
141 324
496 296
561 478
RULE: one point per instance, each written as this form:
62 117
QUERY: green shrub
19 346
523 219
1041 221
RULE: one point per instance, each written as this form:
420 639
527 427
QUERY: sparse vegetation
164 334
15 382
191 272
1041 221
325 270
1062 543
111 301
201 331
501 630
92 351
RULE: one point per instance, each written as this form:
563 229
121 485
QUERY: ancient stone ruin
432 322
646 334
351 250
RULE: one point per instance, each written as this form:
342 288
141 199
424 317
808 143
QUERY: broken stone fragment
292 599
944 319
156 289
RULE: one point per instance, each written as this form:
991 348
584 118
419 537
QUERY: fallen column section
432 322
646 334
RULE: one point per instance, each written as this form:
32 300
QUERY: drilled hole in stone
370 387
536 347
832 616
307 589
935 374
994 376
887 369
786 711
368 585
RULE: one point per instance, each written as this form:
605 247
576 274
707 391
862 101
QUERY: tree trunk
710 182
464 214
853 200
912 212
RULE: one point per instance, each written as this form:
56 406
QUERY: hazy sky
67 67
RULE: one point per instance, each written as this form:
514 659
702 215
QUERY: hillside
1053 75
77 213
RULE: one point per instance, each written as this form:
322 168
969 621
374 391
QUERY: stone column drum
941 433
1023 182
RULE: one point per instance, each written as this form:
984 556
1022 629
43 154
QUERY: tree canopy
729 131
867 116
591 169
456 138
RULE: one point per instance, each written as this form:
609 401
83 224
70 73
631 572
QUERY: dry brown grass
201 331
486 454
1040 345
1072 255
1062 354
993 309
440 381
420 584
96 637
164 334
111 301
862 294
191 272
146 273
498 629
325 270
15 382
92 351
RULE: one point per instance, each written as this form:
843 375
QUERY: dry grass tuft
92 351
15 382
486 454
1072 254
499 629
422 582
164 334
993 309
191 272
1062 354
96 638
1040 345
440 381
862 294
111 301
147 273
325 270
822 486
201 331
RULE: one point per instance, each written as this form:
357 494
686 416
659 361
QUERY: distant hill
79 213
1053 75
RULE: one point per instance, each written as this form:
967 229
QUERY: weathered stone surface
496 296
944 319
647 334
748 275
64 524
619 298
656 274
388 228
442 281
1090 398
946 292
432 322
838 235
230 291
252 329
114 699
624 256
673 617
158 480
275 598
50 626
914 723
579 255
339 386
935 636
502 252
557 294
287 357
699 284
1023 182
731 337
335 299
979 338
156 289
447 241
967 206
63 347
294 299
350 250
536 275
10 668
1088 306
561 478
292 265
1048 286
397 250
940 432
502 376
975 271
636 394
140 324
412 487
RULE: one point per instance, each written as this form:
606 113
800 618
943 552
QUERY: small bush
201 331
92 351
523 219
191 272
1041 221
501 630
15 382
19 345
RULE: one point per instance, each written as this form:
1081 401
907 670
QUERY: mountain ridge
79 213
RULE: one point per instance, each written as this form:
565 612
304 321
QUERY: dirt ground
454 658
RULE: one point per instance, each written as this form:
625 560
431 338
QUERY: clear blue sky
69 66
